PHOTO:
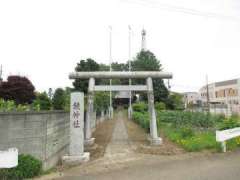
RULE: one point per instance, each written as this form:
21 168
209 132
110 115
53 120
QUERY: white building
191 98
224 92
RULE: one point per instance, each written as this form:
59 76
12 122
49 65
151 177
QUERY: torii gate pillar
154 139
88 131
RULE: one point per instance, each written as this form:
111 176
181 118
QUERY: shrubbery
142 119
159 106
194 131
28 167
140 107
186 118
17 88
190 140
42 102
59 99
229 123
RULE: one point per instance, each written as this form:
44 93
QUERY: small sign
9 158
227 134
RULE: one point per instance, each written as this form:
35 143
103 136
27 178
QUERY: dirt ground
102 135
138 137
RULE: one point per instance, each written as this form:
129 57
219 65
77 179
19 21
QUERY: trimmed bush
28 167
140 107
159 106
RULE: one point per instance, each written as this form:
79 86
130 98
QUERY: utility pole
110 69
1 73
208 106
129 68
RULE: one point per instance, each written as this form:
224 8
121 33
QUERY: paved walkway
119 144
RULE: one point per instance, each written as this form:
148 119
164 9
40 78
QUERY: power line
181 9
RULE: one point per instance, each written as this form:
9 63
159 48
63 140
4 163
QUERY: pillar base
89 142
76 160
155 141
129 113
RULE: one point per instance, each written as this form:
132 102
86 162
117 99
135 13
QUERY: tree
43 101
84 65
17 88
115 67
147 61
59 99
175 101
101 101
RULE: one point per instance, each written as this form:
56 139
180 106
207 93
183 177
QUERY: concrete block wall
44 135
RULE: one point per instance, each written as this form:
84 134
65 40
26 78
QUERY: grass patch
189 139
194 131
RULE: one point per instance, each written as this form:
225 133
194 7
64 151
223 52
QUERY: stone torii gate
148 75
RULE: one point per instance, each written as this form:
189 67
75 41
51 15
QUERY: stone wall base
89 142
155 141
76 160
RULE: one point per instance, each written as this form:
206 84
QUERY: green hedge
159 106
140 107
142 119
28 167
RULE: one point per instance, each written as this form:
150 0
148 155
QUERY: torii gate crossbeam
148 75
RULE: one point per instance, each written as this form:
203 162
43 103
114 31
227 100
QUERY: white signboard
9 158
227 134
77 124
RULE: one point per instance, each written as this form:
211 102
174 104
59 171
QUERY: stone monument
76 148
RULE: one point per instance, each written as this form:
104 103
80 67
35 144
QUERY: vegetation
84 65
192 119
42 102
175 102
142 119
140 107
229 123
194 131
7 106
18 89
101 101
28 167
159 106
59 99
189 139
147 61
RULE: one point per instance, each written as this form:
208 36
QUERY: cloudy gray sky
44 39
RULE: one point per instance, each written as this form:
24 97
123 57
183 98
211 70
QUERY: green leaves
140 107
101 101
28 167
192 119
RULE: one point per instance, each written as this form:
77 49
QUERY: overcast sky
44 39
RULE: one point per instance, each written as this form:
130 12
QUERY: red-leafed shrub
17 88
